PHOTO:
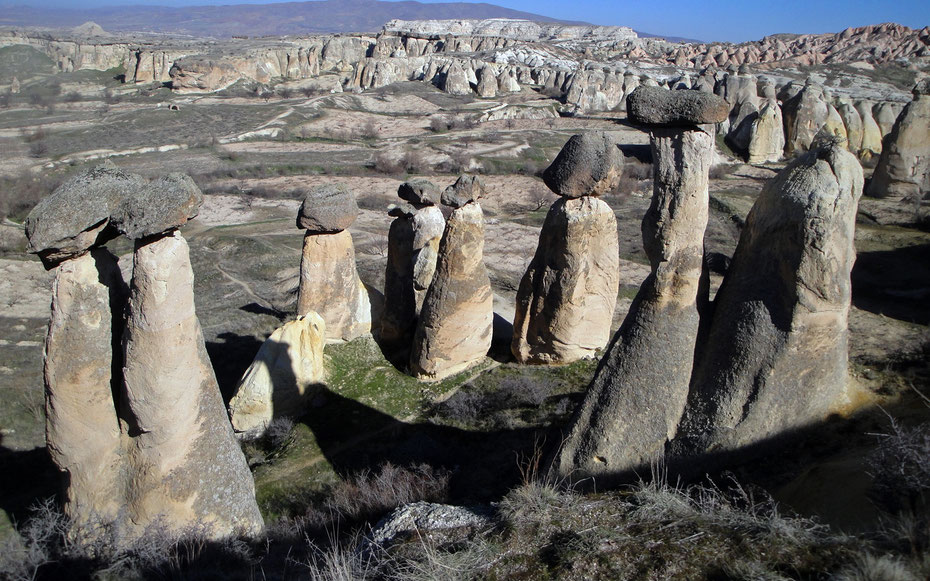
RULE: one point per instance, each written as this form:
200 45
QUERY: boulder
187 467
327 209
565 302
775 358
82 431
158 206
466 189
588 164
654 106
74 217
454 327
804 115
634 402
902 169
419 192
282 377
425 519
330 286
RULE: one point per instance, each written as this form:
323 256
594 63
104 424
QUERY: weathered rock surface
82 430
776 358
282 377
157 206
413 249
428 519
455 81
804 115
566 300
588 164
330 286
871 133
905 161
659 107
853 123
420 192
74 217
636 398
454 328
767 140
465 190
329 208
187 468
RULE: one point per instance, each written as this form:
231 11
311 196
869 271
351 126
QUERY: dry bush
285 92
384 162
370 495
459 161
413 161
370 130
439 123
19 194
541 197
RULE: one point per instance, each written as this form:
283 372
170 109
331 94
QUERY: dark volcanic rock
656 106
465 189
589 164
422 192
157 206
327 209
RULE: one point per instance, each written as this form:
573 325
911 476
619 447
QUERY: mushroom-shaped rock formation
775 358
329 281
804 115
902 168
282 377
636 398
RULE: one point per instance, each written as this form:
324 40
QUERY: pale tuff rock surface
566 300
456 81
508 28
776 357
330 286
804 114
487 82
329 208
834 124
905 161
420 192
465 190
282 376
636 398
885 116
589 164
853 123
186 465
659 107
767 141
425 518
72 218
871 133
82 430
413 248
454 328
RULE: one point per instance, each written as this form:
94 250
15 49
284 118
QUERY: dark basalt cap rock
402 210
465 189
327 209
922 87
659 107
158 206
588 165
74 217
419 191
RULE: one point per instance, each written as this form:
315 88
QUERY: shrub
370 130
438 123
384 162
413 161
72 97
286 92
900 468
18 195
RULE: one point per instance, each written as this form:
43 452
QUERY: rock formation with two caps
775 357
282 377
455 325
413 248
329 281
636 398
902 171
135 420
565 302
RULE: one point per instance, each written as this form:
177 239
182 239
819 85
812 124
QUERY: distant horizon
724 20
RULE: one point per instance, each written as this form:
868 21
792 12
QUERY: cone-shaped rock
413 248
871 133
454 327
565 303
187 467
82 430
588 165
905 160
804 115
639 389
282 376
330 286
775 357
767 142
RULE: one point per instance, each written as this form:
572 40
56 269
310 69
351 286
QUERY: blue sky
718 20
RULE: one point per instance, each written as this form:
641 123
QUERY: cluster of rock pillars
137 425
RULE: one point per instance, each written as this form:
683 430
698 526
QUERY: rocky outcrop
634 403
329 281
282 377
775 358
507 28
588 164
871 133
82 430
767 136
454 328
853 123
566 299
905 161
804 115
